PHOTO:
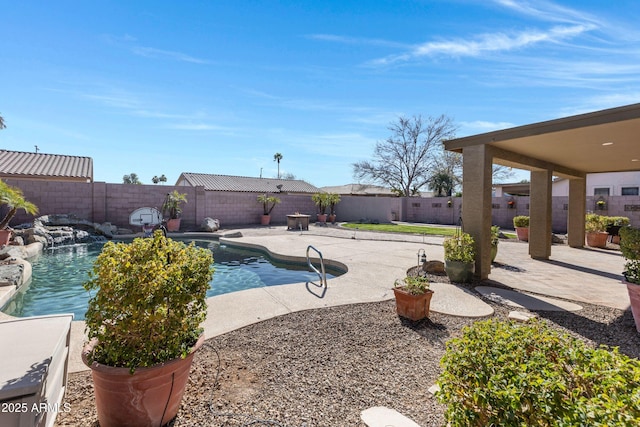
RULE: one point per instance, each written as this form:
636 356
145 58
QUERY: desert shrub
499 373
459 248
521 221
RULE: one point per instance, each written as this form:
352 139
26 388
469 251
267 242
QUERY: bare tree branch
404 160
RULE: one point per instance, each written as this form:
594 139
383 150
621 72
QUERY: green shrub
150 301
505 374
615 220
630 248
594 223
521 221
417 285
459 248
495 235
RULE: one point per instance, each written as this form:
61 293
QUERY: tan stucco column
540 214
576 212
476 203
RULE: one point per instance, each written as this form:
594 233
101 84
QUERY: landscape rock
433 267
210 224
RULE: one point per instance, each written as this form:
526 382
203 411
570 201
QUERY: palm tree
440 183
276 158
14 199
2 125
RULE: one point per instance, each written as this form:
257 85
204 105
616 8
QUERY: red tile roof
246 184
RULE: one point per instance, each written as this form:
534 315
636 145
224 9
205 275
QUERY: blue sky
164 87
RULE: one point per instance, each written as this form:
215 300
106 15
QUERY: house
603 184
359 190
41 166
245 184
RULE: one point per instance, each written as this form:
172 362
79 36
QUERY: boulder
433 267
210 224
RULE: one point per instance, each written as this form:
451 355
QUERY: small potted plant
630 247
595 227
143 323
521 224
268 203
172 208
459 257
613 225
333 200
322 202
495 239
14 200
601 204
413 297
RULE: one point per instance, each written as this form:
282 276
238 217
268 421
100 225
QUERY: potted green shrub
172 208
495 239
322 202
595 231
14 200
333 199
459 257
413 297
143 323
521 224
630 247
268 203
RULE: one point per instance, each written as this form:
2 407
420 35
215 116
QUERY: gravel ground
323 367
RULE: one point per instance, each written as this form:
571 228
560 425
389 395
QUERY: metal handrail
323 275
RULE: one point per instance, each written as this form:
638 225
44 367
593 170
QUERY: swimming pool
58 275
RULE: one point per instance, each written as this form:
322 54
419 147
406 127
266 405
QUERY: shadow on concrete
583 269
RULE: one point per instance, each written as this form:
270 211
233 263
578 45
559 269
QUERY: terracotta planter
265 219
332 219
458 271
413 307
5 237
522 233
634 298
597 239
322 218
173 224
149 397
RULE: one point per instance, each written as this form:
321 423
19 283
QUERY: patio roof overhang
601 141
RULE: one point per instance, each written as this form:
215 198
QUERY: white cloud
480 126
150 52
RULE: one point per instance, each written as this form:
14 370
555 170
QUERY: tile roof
18 163
360 190
246 184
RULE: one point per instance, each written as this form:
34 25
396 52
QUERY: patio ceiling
602 141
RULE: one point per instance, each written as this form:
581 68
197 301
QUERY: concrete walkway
375 260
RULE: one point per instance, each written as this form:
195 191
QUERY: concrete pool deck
376 260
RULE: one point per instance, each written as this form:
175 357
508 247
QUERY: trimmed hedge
506 374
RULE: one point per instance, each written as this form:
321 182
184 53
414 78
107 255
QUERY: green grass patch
410 229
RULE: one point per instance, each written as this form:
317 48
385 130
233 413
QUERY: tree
442 184
156 179
501 173
403 162
131 179
2 125
14 199
276 158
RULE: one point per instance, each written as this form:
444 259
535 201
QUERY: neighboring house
359 190
515 189
41 166
604 184
212 182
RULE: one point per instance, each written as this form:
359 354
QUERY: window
629 191
601 191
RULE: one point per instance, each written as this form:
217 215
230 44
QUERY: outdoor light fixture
422 259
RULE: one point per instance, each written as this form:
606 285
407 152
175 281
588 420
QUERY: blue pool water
58 275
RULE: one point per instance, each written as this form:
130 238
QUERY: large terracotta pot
458 271
597 239
265 219
322 218
522 233
413 307
634 298
149 397
5 236
173 224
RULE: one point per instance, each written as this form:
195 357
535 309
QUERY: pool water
58 275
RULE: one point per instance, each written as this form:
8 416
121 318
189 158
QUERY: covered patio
570 147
